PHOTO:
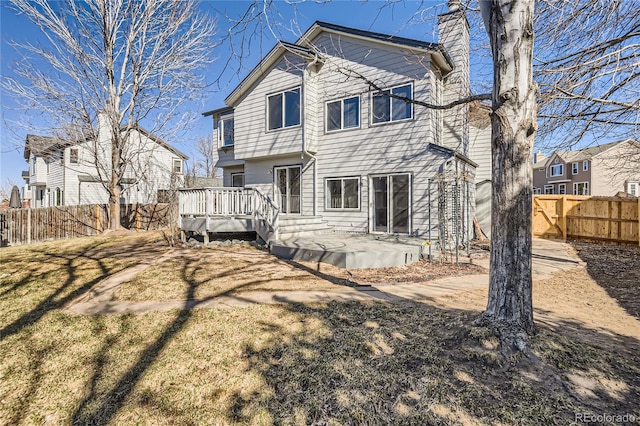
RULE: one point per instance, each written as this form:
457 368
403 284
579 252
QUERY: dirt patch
615 269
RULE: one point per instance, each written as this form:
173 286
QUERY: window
581 188
537 191
177 166
562 188
73 156
438 101
58 197
585 165
283 109
632 188
557 170
342 193
237 180
574 168
34 161
548 189
386 108
225 131
343 114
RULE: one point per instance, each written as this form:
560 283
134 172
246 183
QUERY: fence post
29 226
563 213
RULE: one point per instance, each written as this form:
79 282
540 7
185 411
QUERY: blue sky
401 18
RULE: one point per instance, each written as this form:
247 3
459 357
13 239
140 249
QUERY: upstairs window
177 166
283 109
73 156
574 169
585 165
225 131
557 170
343 114
387 108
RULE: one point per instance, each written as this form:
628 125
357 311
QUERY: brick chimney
453 35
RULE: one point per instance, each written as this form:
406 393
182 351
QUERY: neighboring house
64 173
603 170
307 128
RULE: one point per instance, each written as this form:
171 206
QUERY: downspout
314 160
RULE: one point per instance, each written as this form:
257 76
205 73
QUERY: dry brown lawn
331 363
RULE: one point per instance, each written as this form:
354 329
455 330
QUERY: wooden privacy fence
24 226
606 219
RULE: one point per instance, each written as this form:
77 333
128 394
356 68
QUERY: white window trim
585 165
220 129
173 165
282 92
552 189
537 191
635 185
551 174
575 187
575 168
562 189
391 120
327 204
237 174
342 128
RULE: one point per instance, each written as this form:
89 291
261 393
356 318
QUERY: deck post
207 208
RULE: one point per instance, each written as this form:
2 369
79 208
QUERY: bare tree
204 163
127 61
509 24
587 65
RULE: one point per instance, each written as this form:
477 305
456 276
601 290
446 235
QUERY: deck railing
209 202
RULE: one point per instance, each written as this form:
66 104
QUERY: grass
332 363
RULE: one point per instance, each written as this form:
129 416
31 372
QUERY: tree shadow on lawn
412 363
68 289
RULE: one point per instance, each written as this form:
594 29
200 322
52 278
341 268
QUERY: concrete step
304 231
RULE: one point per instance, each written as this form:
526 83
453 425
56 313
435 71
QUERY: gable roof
47 145
303 48
582 154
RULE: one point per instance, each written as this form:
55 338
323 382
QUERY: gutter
314 159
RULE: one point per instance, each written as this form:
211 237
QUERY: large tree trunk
509 311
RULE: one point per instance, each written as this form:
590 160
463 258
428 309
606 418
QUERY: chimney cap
454 5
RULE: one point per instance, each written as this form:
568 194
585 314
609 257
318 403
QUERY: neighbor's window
557 170
581 188
343 114
283 109
342 193
632 188
574 168
177 165
73 156
164 196
537 191
225 131
387 108
585 165
562 188
548 189
237 180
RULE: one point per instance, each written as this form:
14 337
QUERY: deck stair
300 226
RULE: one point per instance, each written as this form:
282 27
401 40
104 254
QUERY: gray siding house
603 170
75 172
320 126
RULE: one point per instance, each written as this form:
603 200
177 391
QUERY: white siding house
321 128
76 172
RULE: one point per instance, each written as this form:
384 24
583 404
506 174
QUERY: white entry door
288 187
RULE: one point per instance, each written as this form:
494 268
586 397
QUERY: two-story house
324 128
602 170
74 172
